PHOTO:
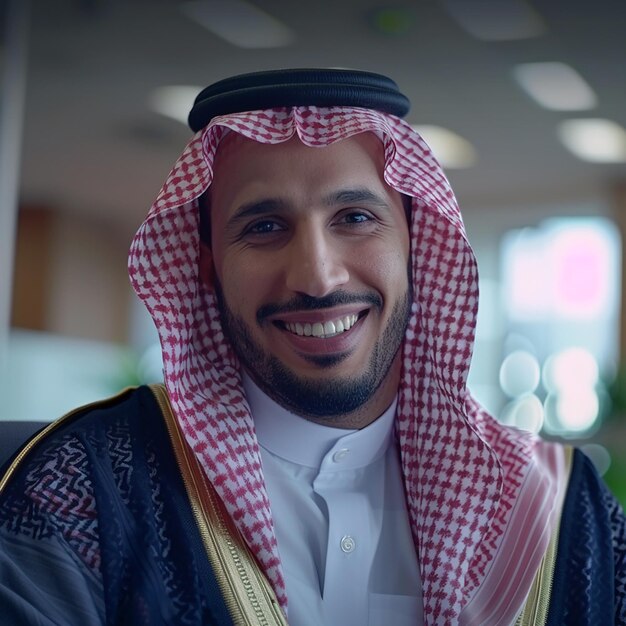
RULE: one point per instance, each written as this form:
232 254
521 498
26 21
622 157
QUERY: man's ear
206 267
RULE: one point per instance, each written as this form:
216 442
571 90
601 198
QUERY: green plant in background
615 476
615 424
127 374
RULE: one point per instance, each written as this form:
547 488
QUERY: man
314 455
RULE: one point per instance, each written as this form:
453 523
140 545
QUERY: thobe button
340 455
347 544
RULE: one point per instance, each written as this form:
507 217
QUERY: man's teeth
327 329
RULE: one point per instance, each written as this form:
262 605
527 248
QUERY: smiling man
314 456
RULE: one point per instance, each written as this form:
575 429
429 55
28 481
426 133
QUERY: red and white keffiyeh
481 497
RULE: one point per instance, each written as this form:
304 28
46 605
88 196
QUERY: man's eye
265 226
356 217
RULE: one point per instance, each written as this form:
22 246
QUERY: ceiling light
452 151
496 20
239 23
594 139
174 102
555 86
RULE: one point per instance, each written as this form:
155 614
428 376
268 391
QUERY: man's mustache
311 303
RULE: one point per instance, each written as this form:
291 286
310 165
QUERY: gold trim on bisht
247 593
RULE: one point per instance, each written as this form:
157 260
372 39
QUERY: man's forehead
231 144
293 174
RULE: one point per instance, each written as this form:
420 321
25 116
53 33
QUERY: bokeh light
525 412
519 373
577 409
572 405
570 368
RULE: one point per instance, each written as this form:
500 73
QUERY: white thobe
339 510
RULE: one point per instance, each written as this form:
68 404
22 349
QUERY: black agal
297 87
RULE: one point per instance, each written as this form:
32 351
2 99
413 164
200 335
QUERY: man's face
309 254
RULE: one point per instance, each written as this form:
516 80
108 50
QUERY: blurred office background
523 102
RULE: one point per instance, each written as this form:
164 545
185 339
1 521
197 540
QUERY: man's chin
322 396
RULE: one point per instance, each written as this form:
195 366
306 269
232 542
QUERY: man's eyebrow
257 207
355 196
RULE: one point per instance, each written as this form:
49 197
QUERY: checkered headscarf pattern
462 470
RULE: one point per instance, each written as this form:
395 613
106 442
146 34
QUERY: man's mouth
329 328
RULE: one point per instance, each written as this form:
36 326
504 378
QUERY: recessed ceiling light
174 102
496 20
239 23
452 151
594 139
555 86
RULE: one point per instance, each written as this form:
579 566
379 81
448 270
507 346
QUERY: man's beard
309 397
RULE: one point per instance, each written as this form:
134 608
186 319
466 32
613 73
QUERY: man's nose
316 264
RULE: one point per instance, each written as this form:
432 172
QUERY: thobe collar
301 441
